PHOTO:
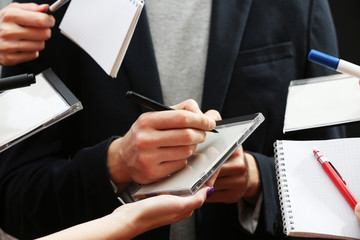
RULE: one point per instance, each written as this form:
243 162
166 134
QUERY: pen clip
333 167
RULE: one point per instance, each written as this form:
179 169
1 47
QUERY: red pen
335 177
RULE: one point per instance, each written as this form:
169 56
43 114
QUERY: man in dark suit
256 47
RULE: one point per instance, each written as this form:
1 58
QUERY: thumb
357 211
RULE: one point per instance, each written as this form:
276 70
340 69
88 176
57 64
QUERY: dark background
346 14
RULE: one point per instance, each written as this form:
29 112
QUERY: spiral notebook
103 28
311 205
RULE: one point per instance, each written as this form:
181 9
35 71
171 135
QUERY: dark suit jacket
58 177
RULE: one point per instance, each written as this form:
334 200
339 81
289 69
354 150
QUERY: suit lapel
228 20
140 64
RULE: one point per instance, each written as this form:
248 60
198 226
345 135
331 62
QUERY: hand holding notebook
207 159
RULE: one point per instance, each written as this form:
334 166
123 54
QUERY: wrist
253 189
118 175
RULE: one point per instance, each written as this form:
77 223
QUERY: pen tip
315 150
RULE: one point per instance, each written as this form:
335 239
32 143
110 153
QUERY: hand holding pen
335 177
26 29
149 103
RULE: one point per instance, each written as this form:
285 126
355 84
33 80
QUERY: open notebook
311 204
103 28
322 101
26 111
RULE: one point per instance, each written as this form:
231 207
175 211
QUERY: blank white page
323 101
24 109
99 27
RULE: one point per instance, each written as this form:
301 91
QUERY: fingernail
357 209
210 192
212 122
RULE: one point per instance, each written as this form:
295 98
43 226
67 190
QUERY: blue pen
334 63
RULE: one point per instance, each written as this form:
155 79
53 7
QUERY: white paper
317 206
323 101
24 109
102 28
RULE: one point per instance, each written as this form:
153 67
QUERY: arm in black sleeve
44 190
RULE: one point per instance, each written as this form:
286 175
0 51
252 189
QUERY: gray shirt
180 34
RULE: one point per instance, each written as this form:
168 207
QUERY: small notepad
207 159
311 204
103 28
28 110
322 101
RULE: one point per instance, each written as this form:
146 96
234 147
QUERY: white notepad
311 204
26 111
209 156
322 101
103 28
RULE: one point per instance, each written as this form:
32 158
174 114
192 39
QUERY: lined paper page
317 205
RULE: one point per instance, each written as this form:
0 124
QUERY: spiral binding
137 2
283 190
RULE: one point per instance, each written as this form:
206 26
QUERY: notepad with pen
209 156
311 204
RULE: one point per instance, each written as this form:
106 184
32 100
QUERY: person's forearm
107 227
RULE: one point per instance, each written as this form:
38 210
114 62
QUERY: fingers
14 51
28 15
10 32
234 166
196 201
29 6
23 32
15 58
176 120
188 105
212 179
213 114
169 138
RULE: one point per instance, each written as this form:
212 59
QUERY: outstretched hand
132 219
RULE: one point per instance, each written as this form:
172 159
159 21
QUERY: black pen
22 80
55 6
151 104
